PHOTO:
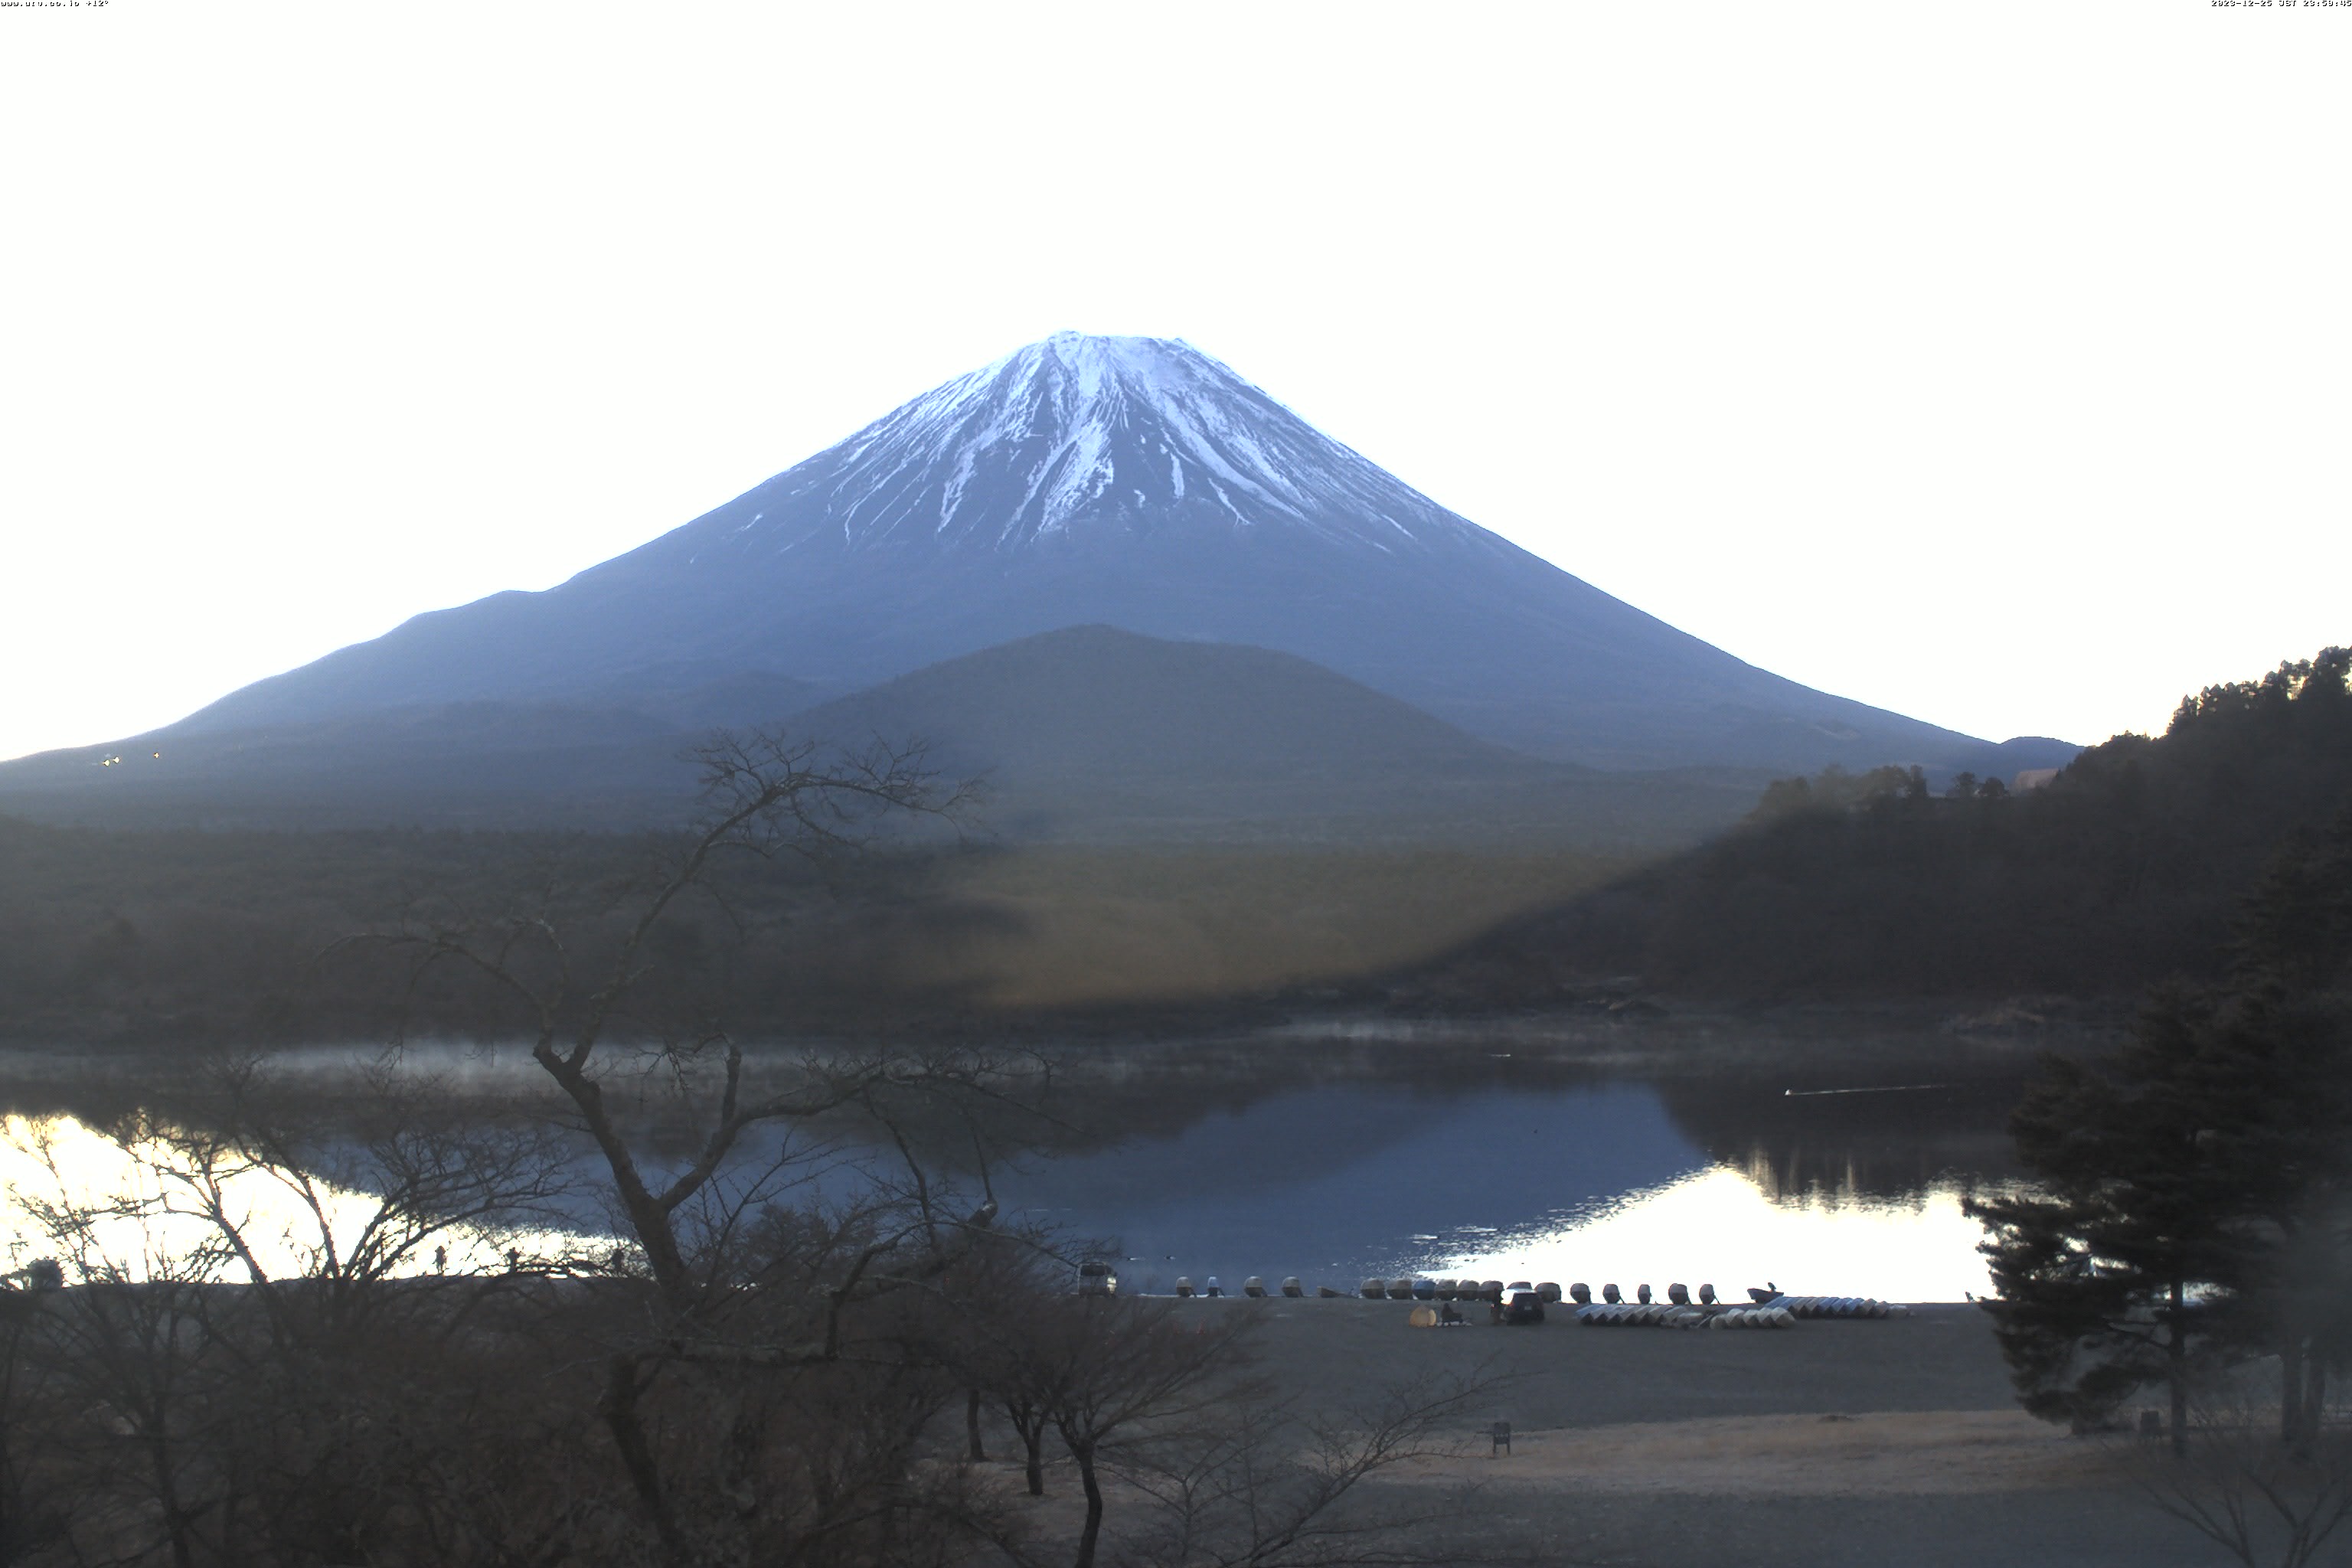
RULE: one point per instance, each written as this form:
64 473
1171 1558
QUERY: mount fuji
1131 483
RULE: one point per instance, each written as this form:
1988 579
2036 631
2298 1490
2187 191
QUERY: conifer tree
2195 1190
2097 1271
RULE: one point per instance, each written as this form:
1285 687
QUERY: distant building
2032 778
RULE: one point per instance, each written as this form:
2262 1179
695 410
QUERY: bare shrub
2263 1501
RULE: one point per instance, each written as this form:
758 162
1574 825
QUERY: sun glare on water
125 1217
1717 1227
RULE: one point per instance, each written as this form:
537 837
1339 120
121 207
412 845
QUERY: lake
1505 1154
1497 1160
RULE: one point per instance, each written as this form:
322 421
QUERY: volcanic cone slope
1131 482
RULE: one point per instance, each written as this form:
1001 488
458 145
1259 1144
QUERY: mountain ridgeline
1132 484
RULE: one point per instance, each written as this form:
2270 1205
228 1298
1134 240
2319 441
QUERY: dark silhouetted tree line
2190 1219
188 938
2120 872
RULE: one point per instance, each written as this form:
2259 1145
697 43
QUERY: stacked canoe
1833 1306
1666 1315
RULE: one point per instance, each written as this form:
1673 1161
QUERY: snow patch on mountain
1079 432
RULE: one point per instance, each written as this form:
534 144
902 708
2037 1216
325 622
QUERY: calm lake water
1852 1188
1488 1158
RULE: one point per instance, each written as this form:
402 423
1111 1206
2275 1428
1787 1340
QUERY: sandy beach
1831 1444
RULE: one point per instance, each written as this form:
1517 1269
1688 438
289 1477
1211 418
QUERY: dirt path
1910 1454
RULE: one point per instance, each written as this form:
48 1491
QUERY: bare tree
2261 1499
32 1516
1013 1342
741 1286
1276 1486
1115 1375
245 1377
765 795
136 1428
317 1209
1161 1413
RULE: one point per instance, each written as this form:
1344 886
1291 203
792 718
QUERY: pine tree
2196 1190
2101 1270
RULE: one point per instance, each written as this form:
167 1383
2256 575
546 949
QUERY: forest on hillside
2121 871
182 937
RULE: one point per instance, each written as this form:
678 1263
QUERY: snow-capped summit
1078 432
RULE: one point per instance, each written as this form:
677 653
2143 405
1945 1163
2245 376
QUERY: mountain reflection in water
1618 1181
1336 1164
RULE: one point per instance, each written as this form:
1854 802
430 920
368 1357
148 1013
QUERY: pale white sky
1984 362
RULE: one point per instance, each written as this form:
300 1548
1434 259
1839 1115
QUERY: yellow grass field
1055 925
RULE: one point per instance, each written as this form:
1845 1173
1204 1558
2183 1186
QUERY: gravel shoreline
1560 1374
